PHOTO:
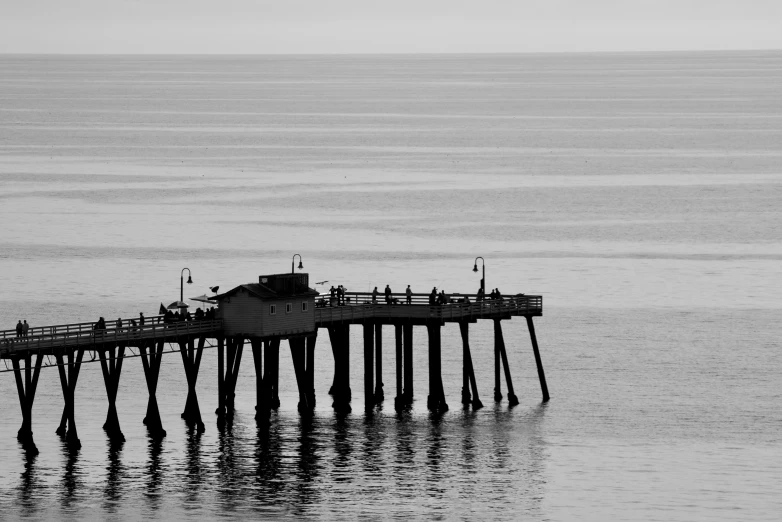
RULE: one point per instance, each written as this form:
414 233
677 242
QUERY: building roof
264 292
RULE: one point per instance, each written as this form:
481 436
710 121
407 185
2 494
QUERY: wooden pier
68 346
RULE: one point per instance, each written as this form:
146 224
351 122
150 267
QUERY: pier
279 307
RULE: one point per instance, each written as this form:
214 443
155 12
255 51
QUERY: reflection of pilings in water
268 464
229 476
404 457
114 471
434 456
342 448
71 484
308 490
28 485
154 471
374 445
195 477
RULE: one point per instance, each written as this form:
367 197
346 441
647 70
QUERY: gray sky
361 26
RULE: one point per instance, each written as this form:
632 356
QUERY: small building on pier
279 305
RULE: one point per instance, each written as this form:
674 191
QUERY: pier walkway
67 344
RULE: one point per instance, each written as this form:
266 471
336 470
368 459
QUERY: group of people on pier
495 294
168 318
200 315
390 299
22 329
337 295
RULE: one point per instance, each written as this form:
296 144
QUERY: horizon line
402 53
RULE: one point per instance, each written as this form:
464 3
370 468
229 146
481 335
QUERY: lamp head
214 289
300 265
189 279
475 267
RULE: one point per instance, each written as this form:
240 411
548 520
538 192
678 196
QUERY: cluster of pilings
266 356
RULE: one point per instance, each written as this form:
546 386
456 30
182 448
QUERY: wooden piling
369 367
220 411
310 370
26 391
379 395
541 375
407 330
235 348
436 399
469 370
191 359
340 342
497 387
262 409
299 357
500 342
68 384
111 367
273 370
151 362
399 399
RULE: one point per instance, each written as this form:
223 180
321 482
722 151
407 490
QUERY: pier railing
86 335
460 307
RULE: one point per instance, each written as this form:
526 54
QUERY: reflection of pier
239 320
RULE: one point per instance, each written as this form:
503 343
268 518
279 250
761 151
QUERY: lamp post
182 283
483 274
294 259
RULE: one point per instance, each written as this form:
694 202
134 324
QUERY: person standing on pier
141 319
481 295
119 323
374 296
25 328
333 296
388 294
340 296
433 297
19 328
409 294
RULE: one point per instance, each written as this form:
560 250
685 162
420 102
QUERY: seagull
321 282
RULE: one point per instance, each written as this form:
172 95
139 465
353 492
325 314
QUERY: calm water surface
639 194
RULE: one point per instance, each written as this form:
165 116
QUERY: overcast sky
373 26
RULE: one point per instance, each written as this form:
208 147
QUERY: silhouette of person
409 294
19 328
374 296
141 319
433 296
388 294
119 323
25 328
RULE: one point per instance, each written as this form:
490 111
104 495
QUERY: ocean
639 194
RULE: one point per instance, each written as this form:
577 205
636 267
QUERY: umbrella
203 299
177 304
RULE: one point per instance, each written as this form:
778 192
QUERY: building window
288 308
304 306
272 309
